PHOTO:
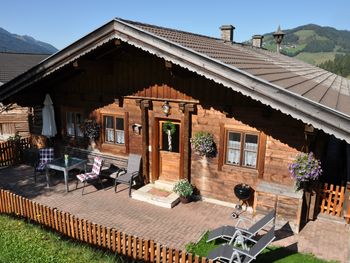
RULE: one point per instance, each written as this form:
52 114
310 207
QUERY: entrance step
156 195
165 185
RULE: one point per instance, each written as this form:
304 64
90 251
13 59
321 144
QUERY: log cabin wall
14 120
101 82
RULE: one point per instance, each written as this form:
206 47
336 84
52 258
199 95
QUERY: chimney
227 33
257 41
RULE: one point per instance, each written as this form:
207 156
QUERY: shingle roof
13 64
311 82
293 87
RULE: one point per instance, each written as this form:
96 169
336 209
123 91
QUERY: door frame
155 144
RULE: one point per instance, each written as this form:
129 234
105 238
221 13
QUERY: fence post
346 199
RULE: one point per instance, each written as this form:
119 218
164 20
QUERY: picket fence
95 234
331 199
11 152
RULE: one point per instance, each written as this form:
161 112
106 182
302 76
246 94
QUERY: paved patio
172 227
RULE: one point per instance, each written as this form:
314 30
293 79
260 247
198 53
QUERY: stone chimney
227 33
257 41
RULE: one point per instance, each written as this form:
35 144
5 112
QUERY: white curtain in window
250 159
233 156
251 146
119 137
234 144
109 135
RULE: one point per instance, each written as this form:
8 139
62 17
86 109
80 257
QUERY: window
73 123
242 149
114 130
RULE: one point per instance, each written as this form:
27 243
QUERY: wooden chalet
262 108
13 118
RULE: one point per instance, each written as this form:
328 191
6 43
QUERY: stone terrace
171 227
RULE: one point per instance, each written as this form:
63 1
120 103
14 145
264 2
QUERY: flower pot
185 199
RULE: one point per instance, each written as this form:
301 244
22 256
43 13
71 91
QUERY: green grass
24 242
304 35
316 58
271 254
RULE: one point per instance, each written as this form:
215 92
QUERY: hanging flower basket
91 129
203 144
305 170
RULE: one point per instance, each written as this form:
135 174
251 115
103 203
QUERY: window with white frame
73 124
113 129
242 149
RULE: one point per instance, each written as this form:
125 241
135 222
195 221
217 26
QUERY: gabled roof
303 91
13 64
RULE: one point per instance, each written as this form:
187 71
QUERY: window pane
172 143
119 135
70 124
119 124
78 122
250 159
251 142
109 129
233 154
250 150
234 140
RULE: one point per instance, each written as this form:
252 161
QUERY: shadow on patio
171 227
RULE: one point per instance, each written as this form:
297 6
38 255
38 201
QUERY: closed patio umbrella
49 124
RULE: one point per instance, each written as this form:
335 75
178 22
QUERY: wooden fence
91 233
11 152
331 199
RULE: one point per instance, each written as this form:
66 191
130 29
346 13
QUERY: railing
91 233
11 152
331 199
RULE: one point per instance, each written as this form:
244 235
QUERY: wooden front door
169 150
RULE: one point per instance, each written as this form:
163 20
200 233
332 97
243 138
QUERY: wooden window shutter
126 131
221 152
261 154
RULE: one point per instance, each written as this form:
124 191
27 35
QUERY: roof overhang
310 112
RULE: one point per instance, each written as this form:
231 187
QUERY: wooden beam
189 108
144 105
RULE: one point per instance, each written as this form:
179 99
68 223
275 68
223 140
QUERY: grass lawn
23 242
271 254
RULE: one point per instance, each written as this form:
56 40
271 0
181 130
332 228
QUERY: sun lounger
228 253
230 232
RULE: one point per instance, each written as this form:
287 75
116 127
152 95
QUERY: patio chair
90 177
45 155
230 233
131 174
228 253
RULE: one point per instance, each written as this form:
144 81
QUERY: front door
169 150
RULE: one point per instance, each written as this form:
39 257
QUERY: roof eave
329 120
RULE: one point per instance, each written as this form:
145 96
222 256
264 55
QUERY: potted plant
91 129
306 170
203 144
184 189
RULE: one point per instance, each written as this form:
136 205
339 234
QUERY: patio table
59 164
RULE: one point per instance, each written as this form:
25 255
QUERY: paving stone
172 227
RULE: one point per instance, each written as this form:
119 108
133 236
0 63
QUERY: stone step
144 194
166 185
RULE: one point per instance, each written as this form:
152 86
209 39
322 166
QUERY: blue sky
62 22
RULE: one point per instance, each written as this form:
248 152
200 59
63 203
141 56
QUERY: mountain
312 43
317 45
23 44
